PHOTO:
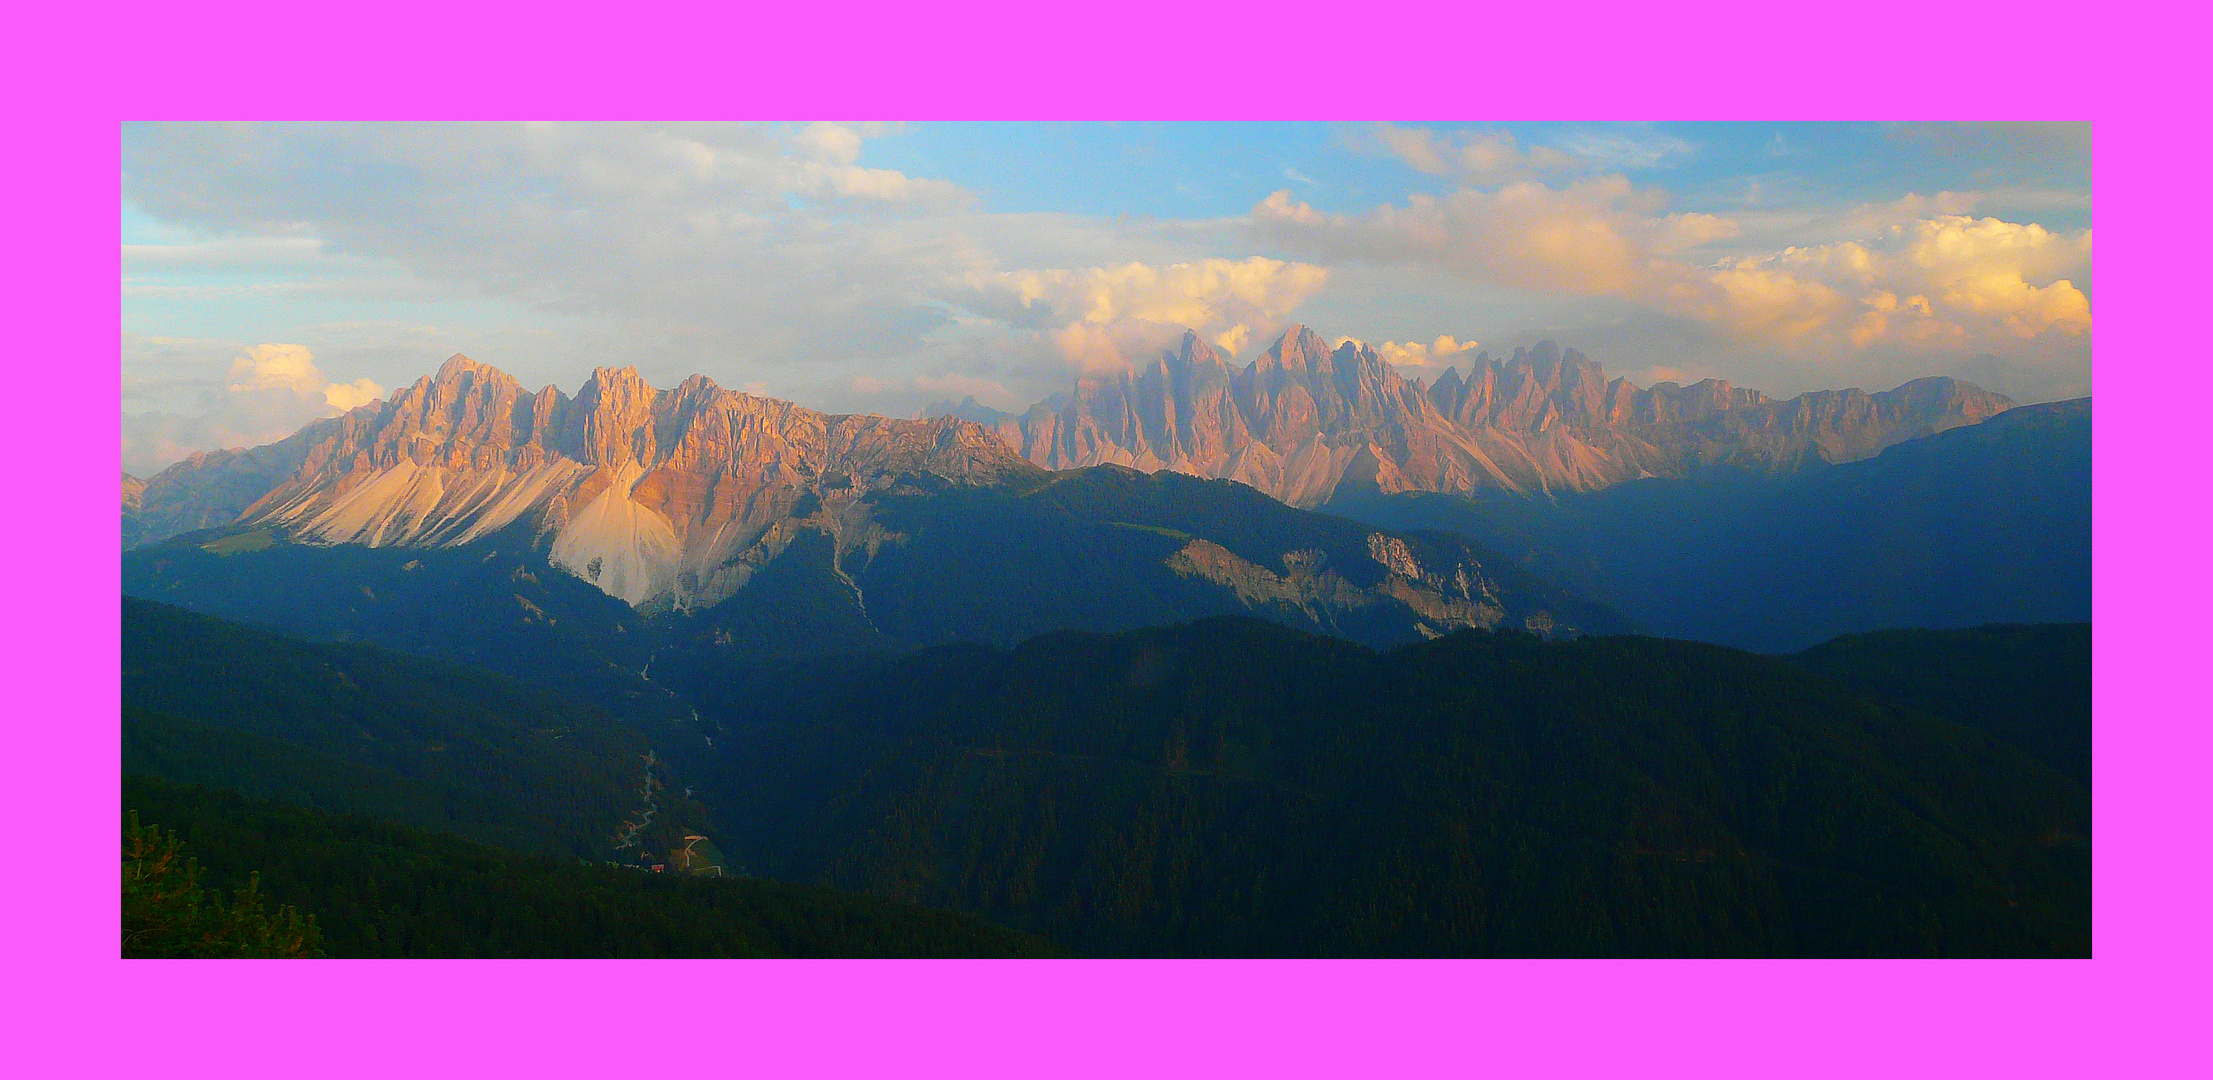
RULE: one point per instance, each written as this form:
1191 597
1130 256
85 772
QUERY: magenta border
75 1010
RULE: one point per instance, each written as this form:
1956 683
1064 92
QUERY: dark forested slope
376 889
496 604
1988 523
363 729
919 562
1232 787
2027 685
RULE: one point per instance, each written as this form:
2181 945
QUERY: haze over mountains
1988 523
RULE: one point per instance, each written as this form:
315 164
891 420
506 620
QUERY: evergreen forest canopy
358 728
1225 787
380 889
1231 787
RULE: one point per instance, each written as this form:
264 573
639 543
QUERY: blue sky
272 273
1212 170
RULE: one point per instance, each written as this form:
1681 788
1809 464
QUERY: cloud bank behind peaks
1941 284
1097 316
1947 281
1599 237
272 390
1417 354
279 369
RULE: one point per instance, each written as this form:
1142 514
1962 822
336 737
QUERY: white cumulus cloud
1918 277
270 391
1097 315
1420 354
1951 280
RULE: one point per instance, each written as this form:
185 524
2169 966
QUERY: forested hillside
363 729
1225 787
2027 685
376 889
1982 524
1231 787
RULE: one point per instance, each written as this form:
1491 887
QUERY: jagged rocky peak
615 417
1298 348
967 408
655 496
1196 349
1544 418
459 365
463 386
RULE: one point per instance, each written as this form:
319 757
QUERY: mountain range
1304 419
870 531
1105 548
649 494
677 499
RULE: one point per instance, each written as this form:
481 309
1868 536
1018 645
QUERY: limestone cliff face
1304 418
655 496
1441 601
677 497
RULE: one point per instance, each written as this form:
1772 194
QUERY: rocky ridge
880 531
654 496
678 497
1304 418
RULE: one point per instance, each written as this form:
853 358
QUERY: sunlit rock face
1304 418
675 498
657 497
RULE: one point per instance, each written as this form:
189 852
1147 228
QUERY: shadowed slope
1232 787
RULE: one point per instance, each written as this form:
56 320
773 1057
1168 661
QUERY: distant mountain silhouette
1983 524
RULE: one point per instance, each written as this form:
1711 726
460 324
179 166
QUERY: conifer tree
166 913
